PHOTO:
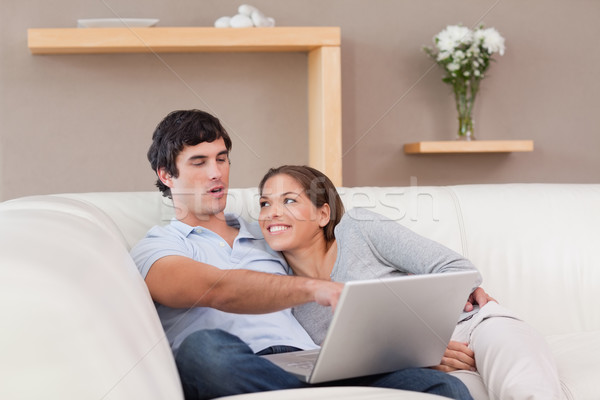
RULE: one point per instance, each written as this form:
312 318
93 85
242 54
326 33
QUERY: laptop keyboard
307 365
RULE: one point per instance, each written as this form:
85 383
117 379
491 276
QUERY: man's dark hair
177 130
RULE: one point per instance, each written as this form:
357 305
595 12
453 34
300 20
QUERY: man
222 294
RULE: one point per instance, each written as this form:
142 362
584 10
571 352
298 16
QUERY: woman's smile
276 229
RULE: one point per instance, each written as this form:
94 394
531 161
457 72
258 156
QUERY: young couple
224 290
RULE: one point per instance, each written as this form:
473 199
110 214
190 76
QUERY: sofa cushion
332 393
536 247
576 356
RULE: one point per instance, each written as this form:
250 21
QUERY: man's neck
216 223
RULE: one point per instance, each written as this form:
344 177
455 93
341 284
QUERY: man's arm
180 282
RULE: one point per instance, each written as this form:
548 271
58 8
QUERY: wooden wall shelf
321 43
475 146
179 39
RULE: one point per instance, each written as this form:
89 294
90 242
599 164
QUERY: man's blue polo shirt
250 251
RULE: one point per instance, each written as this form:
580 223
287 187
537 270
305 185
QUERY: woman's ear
164 176
324 215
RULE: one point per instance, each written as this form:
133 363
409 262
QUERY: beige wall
83 123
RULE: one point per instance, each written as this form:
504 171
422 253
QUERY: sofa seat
576 356
334 393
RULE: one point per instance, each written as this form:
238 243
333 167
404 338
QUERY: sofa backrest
537 247
535 244
430 211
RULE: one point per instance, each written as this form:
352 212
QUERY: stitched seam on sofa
460 220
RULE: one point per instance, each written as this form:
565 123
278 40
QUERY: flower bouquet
465 55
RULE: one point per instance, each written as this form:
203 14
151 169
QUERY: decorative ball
223 22
241 21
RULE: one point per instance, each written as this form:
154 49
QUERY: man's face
200 190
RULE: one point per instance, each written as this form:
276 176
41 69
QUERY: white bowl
116 22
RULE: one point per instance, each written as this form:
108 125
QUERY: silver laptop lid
390 324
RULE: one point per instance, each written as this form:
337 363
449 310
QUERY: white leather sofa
78 322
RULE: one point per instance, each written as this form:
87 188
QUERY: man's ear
164 176
324 215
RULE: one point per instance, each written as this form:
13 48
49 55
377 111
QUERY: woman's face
288 219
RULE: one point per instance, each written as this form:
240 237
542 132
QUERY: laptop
385 325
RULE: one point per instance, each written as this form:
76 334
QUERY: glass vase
465 91
465 127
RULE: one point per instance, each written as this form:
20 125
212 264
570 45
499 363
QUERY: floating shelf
474 146
321 43
179 39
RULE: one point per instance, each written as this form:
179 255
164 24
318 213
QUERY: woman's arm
403 249
406 251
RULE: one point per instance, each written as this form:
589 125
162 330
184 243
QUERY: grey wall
79 123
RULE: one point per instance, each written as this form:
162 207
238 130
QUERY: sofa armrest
78 320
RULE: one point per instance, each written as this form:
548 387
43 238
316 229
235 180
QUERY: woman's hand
458 356
479 296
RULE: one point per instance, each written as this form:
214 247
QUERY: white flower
490 39
452 37
465 54
453 67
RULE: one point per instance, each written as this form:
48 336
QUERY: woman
492 351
